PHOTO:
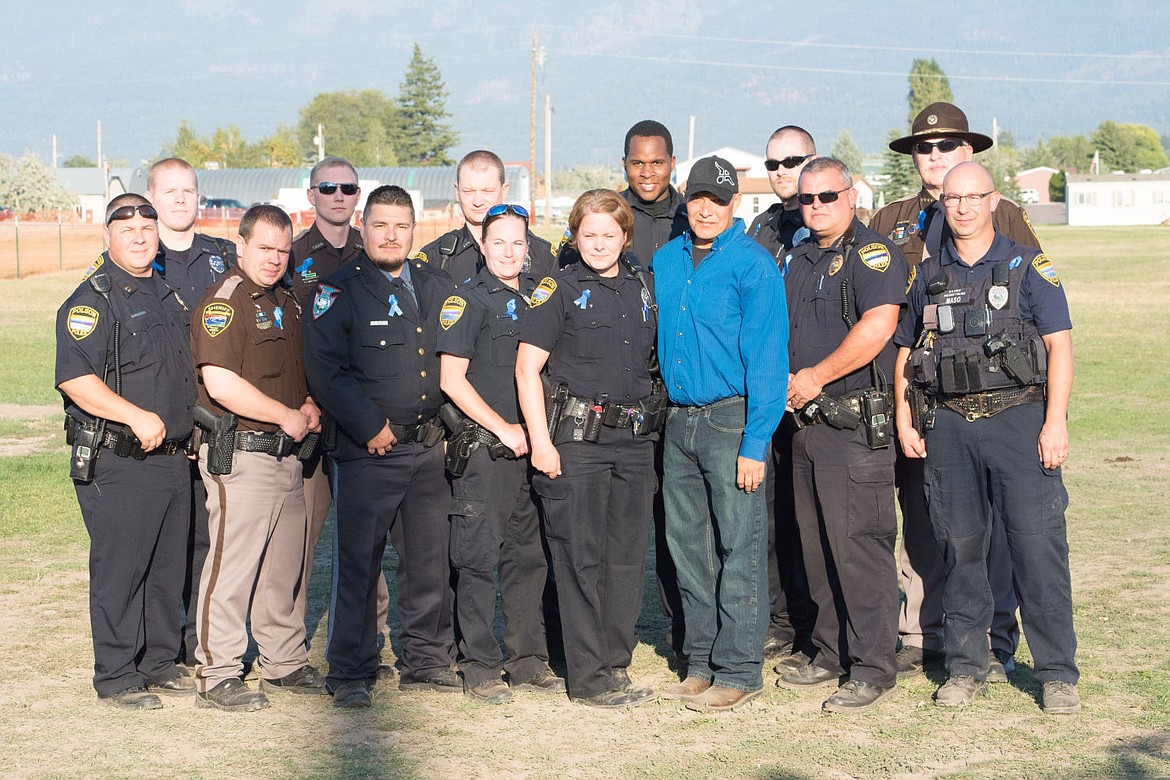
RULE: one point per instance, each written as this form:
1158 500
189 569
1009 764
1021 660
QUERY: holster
219 433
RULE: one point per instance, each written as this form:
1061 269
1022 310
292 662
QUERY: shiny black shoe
615 699
176 686
544 682
232 696
489 692
136 698
640 693
305 680
352 695
807 676
775 647
856 696
443 681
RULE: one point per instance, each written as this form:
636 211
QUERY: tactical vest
975 338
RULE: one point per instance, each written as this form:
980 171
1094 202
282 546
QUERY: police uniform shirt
481 322
313 258
877 275
256 334
371 350
655 225
192 272
457 253
157 371
599 331
910 223
778 230
1042 299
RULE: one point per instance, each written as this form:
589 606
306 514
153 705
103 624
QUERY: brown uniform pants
257 528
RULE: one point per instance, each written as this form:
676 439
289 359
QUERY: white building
1118 198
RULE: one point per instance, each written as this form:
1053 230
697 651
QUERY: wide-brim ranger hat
715 176
940 120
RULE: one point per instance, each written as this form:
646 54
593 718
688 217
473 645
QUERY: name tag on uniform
955 296
379 322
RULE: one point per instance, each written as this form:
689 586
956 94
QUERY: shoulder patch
93 268
910 279
82 321
227 288
1044 267
217 317
543 291
421 255
452 310
875 256
326 295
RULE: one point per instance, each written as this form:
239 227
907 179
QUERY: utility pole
547 159
54 150
319 139
102 164
532 135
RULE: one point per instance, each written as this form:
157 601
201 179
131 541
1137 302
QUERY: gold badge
836 264
1044 267
910 279
82 321
543 291
875 256
452 310
217 317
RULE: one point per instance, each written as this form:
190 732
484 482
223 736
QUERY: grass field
1118 476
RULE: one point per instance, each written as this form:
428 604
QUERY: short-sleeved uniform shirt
877 275
1042 300
457 253
778 230
255 333
313 258
190 273
481 322
157 372
599 331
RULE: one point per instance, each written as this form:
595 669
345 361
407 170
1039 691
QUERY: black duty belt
613 415
123 443
278 445
851 401
991 402
427 433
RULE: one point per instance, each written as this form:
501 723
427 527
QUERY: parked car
221 208
1029 196
5 213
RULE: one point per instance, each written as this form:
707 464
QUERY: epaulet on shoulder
423 266
304 232
228 287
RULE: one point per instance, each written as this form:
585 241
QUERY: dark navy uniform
137 512
370 356
494 522
843 489
792 610
313 258
457 253
981 460
655 224
208 260
917 225
599 333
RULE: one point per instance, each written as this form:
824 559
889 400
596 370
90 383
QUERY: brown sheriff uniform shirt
313 258
255 333
900 222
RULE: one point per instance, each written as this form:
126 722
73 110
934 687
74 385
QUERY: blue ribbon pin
278 316
300 269
395 309
583 301
511 310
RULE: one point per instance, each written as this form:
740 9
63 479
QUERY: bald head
969 198
969 172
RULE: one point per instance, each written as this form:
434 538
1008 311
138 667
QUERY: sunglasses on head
829 196
944 146
500 209
329 187
128 212
787 162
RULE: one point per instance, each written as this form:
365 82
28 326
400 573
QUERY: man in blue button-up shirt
721 339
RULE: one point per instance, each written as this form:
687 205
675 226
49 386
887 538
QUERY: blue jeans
718 538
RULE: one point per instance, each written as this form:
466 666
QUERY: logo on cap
724 177
932 120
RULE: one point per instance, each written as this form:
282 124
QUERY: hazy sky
742 69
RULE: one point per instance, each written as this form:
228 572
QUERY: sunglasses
328 188
944 146
128 212
829 196
500 209
787 162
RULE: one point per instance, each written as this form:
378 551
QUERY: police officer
246 341
593 324
939 140
190 262
124 370
494 522
846 289
479 185
995 357
778 229
370 355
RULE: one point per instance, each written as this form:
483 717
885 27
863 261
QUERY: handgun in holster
461 441
834 413
555 403
1016 363
921 409
220 437
86 442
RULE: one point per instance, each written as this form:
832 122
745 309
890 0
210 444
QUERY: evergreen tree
928 84
845 149
424 133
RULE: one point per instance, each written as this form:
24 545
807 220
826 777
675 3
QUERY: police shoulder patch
1044 267
910 279
421 255
82 321
452 310
543 291
875 256
93 268
217 317
326 295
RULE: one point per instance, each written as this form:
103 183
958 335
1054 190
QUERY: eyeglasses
328 188
808 198
944 146
128 212
787 162
973 200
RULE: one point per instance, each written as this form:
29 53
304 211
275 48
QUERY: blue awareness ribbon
583 301
921 221
300 269
278 316
395 309
511 310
